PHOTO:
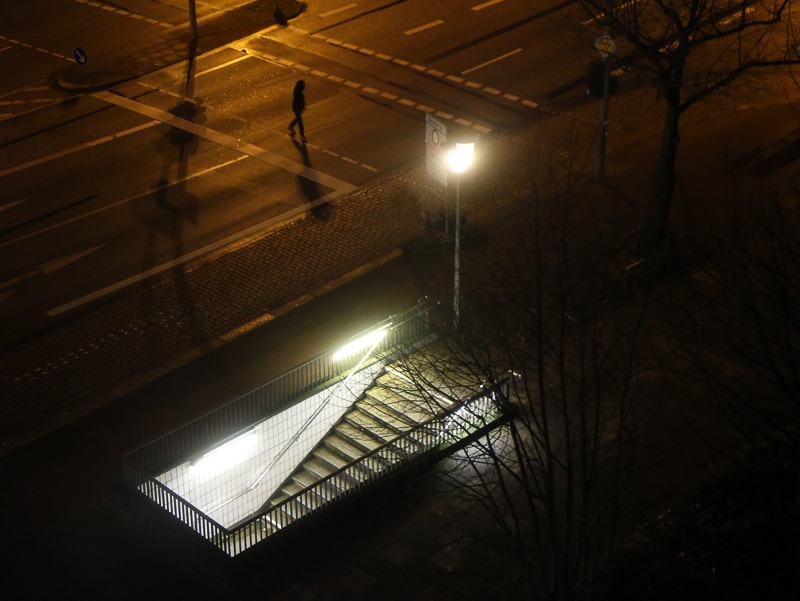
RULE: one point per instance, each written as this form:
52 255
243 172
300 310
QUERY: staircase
394 422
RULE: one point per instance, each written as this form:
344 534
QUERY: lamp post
458 160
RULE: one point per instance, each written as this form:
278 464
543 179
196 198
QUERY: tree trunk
653 240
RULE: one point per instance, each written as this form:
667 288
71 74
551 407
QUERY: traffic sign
435 137
605 44
80 55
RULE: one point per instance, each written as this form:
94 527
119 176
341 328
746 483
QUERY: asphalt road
103 190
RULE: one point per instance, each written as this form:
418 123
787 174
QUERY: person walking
298 106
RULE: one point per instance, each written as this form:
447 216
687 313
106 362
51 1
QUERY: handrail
226 538
260 402
417 428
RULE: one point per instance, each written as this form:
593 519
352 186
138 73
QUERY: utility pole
605 45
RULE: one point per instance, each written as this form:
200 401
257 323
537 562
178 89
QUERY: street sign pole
435 137
605 45
601 150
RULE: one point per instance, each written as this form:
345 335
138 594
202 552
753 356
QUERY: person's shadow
309 189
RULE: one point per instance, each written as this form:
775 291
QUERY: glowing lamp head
459 159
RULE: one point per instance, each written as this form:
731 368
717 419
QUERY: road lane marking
424 27
409 64
486 4
276 160
74 149
338 10
358 86
148 192
492 61
178 261
120 11
51 266
13 203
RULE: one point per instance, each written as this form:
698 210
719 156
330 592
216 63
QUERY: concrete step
376 428
325 453
408 412
394 384
320 468
280 518
344 447
357 437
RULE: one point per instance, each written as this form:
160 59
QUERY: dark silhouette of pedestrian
298 106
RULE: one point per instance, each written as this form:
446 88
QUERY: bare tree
536 314
744 338
693 48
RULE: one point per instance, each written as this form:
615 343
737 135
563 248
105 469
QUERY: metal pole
193 22
601 151
190 66
457 267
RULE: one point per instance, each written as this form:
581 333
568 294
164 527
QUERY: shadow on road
172 209
309 189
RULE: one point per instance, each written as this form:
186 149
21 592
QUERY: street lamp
458 160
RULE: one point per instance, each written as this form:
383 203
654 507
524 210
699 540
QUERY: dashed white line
424 27
387 95
115 9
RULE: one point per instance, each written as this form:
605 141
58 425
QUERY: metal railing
440 432
264 401
476 414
